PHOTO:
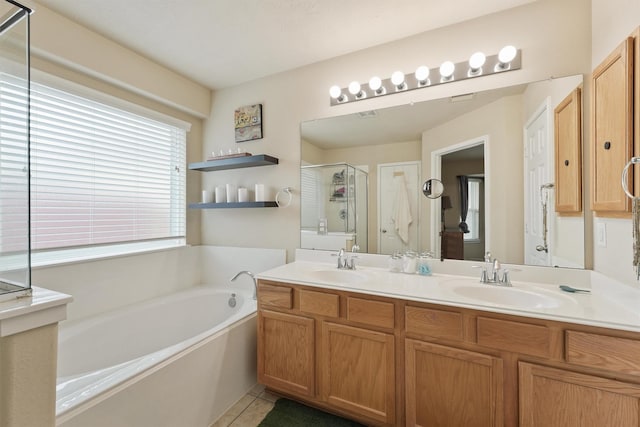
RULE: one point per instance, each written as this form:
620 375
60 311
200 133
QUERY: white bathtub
182 360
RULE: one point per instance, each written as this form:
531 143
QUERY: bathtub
182 359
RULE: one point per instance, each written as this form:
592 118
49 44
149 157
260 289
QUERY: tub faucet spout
253 277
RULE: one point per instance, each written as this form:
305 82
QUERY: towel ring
625 173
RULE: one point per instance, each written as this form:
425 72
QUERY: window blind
101 175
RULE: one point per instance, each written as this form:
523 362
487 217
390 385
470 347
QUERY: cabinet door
552 397
451 387
611 110
568 148
286 352
358 371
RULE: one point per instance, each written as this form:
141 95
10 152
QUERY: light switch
602 234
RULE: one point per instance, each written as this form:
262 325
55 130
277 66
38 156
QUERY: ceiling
223 43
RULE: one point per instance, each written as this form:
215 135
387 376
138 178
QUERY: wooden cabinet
552 397
446 386
453 245
568 150
358 371
390 362
286 352
611 130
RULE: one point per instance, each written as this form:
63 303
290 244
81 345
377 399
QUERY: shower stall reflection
334 207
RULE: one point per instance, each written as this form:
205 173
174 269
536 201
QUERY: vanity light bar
508 59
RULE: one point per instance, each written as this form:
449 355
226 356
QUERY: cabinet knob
566 162
607 145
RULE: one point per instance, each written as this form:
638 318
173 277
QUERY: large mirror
494 152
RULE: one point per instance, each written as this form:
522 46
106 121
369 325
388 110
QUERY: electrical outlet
602 234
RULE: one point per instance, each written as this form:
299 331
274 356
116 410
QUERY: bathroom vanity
390 349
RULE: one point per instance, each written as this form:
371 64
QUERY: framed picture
248 123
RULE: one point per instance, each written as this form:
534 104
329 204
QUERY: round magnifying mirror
432 188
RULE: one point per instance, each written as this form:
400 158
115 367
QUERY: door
537 173
358 371
552 397
399 191
286 352
439 378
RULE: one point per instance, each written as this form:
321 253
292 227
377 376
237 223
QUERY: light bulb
335 92
477 61
397 78
375 83
354 88
446 69
507 54
422 74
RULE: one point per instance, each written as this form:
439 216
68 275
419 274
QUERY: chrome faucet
253 277
345 262
493 273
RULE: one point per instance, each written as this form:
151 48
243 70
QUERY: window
102 176
473 213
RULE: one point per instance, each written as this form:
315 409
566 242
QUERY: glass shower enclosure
334 207
15 248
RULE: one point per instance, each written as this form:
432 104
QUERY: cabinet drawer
601 351
514 336
320 303
275 296
374 313
434 323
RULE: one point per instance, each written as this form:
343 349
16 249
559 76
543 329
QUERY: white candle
207 196
260 193
232 195
243 195
221 195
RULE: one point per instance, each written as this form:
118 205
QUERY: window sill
78 255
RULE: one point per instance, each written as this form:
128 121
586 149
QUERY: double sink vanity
392 349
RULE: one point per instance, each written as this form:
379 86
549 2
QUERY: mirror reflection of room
503 195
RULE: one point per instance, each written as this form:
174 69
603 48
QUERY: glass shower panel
333 207
15 271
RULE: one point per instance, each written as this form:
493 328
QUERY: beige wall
613 21
302 94
504 235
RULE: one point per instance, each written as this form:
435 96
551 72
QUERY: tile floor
249 410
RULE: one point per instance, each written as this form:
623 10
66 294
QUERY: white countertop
604 307
42 307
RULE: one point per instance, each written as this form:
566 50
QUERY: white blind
101 175
473 213
14 184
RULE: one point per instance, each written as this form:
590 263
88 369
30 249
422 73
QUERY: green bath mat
287 413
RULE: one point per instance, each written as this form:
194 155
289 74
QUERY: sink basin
520 298
339 276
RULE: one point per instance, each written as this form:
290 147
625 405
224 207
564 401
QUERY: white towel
401 214
635 220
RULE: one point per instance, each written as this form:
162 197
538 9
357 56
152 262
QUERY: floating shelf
233 205
234 163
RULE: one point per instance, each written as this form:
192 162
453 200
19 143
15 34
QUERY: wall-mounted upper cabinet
568 151
612 130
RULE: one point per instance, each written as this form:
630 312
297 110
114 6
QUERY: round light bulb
447 68
335 92
375 83
422 73
477 60
507 54
397 78
354 88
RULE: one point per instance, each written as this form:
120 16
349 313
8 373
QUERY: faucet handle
505 279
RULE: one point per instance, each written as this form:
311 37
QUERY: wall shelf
233 205
234 163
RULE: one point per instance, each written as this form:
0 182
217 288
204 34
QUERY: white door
537 147
395 232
